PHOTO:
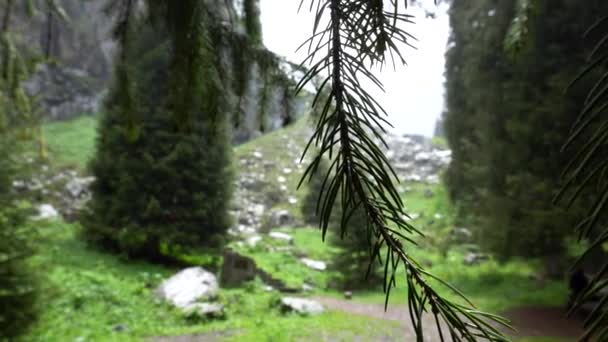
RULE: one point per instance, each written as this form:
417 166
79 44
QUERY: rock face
301 306
188 287
83 49
237 269
64 92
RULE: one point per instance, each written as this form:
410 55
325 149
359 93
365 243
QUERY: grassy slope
89 292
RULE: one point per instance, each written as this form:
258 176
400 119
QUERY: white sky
414 93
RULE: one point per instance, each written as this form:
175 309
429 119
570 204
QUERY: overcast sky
414 93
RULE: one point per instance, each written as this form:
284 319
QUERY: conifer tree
162 167
507 130
18 286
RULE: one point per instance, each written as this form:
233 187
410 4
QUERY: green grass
71 143
88 292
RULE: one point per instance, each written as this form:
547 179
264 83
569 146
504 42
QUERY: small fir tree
162 167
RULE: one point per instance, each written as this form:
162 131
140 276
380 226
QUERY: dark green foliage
586 175
167 187
17 285
507 117
253 26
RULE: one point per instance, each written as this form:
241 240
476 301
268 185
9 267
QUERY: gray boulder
237 269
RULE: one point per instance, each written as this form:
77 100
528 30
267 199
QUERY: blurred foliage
507 131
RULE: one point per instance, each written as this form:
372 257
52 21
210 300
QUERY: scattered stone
253 241
292 200
268 288
237 269
257 210
307 287
258 155
46 212
314 264
188 287
78 187
461 234
283 187
475 258
281 179
206 310
281 237
301 306
437 216
287 170
281 218
268 165
119 328
19 185
348 295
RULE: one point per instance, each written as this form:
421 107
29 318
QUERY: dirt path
528 321
395 313
543 321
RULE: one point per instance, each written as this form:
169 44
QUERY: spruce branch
360 34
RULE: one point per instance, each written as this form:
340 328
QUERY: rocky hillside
82 52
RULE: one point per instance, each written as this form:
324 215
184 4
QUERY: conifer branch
358 35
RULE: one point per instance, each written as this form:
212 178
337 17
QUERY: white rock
188 286
282 237
253 241
292 200
287 170
281 179
314 264
257 210
46 212
307 287
302 306
258 155
205 309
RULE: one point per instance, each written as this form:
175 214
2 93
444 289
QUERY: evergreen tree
162 167
507 117
18 286
17 283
